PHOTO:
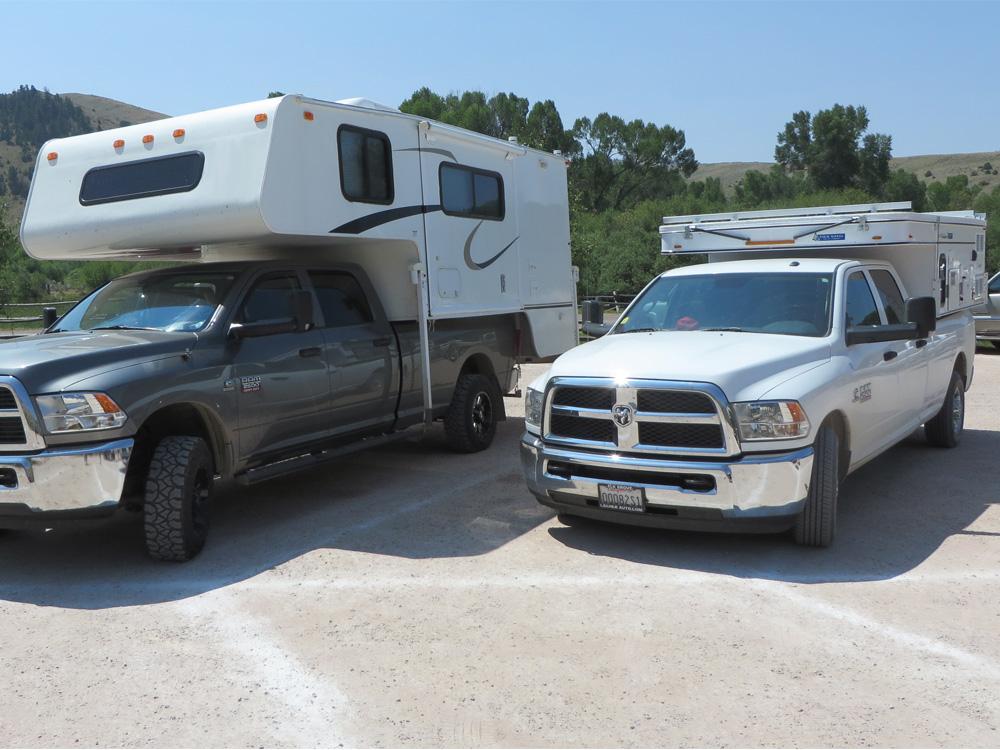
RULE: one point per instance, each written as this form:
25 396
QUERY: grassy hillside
99 112
940 167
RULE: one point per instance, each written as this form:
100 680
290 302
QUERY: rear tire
471 422
997 344
945 429
178 498
816 525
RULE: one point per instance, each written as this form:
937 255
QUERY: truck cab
737 395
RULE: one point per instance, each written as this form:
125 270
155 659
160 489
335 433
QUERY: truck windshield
794 304
182 301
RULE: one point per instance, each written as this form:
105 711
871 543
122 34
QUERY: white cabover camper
940 254
480 225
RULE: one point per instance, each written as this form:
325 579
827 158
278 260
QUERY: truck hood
52 362
743 365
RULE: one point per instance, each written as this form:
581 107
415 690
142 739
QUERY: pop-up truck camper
737 394
359 271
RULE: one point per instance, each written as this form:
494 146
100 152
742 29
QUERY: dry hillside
939 166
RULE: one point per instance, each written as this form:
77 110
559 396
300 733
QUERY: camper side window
466 191
365 165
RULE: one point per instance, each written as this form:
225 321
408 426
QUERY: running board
295 464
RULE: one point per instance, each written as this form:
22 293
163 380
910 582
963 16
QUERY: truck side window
365 165
271 298
341 299
994 287
861 309
892 298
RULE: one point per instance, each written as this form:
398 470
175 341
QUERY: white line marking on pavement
316 706
981 664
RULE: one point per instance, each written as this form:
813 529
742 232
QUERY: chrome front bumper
770 487
74 480
987 327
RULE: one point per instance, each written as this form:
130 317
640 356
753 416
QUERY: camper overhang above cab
822 228
940 254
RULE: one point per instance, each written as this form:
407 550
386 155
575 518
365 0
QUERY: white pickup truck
737 395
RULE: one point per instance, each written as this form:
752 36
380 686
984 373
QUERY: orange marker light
120 143
52 156
179 133
147 139
259 118
308 116
876 236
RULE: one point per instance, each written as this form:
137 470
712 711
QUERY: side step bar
304 461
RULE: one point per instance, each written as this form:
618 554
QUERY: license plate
621 497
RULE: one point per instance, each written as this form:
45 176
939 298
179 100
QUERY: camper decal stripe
440 151
377 219
473 265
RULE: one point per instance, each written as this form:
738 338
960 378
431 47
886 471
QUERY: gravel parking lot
408 596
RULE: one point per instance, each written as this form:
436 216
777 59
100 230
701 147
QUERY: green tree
622 160
833 147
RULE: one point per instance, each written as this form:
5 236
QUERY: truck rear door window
144 178
341 299
365 165
467 191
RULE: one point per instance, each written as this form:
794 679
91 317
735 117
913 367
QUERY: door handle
312 351
890 355
381 342
921 343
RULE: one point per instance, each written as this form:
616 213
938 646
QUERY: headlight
771 420
73 412
533 410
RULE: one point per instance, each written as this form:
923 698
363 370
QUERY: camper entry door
471 225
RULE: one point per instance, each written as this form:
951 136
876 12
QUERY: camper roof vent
360 101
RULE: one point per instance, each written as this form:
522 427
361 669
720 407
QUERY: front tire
816 525
471 422
178 498
945 429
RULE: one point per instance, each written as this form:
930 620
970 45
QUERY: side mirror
49 317
239 331
923 312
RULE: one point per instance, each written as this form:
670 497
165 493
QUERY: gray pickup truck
161 382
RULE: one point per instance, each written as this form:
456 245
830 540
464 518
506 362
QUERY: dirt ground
407 596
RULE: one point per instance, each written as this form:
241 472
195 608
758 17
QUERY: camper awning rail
788 213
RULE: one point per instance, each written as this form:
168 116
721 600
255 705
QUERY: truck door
360 352
910 361
471 224
281 380
873 382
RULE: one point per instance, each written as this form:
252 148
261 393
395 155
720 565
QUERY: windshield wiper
735 329
123 328
640 330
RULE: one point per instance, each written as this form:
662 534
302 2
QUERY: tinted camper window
365 165
466 191
142 179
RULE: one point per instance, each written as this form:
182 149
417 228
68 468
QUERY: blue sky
728 74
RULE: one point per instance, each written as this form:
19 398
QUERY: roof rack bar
858 208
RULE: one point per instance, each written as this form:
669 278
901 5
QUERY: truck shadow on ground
415 500
894 513
411 499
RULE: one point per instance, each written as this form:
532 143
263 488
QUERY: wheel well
480 364
176 419
838 422
962 367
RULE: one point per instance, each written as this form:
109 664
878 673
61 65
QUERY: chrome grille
18 425
639 416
